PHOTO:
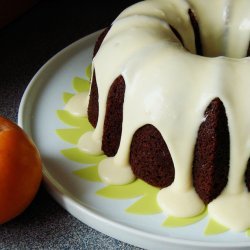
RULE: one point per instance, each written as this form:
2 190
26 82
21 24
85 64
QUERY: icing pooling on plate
77 105
175 86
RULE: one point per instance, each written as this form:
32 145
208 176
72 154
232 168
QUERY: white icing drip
172 12
89 144
77 104
211 18
239 31
231 210
171 200
114 174
170 88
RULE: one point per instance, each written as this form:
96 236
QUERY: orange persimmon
20 170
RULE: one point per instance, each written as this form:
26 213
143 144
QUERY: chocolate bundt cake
169 104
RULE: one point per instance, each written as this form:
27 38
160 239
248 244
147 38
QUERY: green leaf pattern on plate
75 154
131 190
71 120
214 227
88 173
67 96
172 221
145 205
88 71
70 135
80 84
145 194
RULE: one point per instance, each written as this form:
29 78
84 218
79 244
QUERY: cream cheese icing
174 86
77 105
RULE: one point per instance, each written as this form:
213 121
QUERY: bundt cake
169 102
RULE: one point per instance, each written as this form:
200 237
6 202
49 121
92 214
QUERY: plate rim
60 194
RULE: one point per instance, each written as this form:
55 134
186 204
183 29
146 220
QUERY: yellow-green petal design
172 221
88 173
75 154
214 227
146 205
131 190
88 71
81 84
71 120
67 96
72 135
248 232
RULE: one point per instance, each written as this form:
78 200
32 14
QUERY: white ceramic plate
37 115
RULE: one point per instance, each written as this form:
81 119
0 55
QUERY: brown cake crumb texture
211 155
113 119
150 158
93 107
247 176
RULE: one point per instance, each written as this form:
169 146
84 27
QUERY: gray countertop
25 45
